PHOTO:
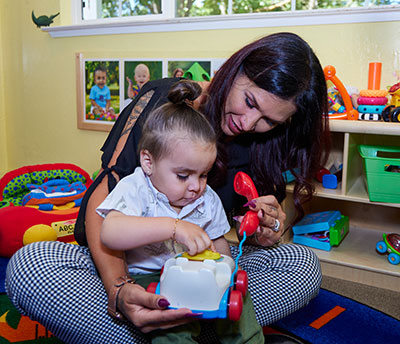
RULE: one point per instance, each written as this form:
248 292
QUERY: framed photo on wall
135 74
105 86
98 93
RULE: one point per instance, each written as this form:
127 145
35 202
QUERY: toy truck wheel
381 247
394 258
386 113
241 282
235 305
151 288
395 115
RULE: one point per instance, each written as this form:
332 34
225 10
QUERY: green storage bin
382 170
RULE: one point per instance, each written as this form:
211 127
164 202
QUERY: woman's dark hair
285 65
176 116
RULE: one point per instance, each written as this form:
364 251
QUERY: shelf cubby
356 259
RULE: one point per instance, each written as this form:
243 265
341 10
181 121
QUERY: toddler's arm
123 232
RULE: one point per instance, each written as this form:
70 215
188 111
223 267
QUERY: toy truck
392 111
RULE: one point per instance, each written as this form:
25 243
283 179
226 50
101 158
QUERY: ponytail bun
184 92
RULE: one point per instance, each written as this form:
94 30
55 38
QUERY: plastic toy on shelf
392 111
391 245
208 283
330 177
373 100
348 112
321 230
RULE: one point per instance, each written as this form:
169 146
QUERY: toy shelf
356 259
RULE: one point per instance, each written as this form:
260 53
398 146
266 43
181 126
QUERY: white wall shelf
356 259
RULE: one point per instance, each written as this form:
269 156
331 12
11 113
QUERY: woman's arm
110 264
145 310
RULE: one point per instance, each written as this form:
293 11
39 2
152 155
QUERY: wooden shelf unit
356 259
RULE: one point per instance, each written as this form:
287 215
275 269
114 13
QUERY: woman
266 104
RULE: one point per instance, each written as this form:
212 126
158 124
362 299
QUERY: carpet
328 319
335 319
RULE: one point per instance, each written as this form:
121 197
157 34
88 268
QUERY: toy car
205 283
391 244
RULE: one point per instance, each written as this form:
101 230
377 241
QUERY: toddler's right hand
193 237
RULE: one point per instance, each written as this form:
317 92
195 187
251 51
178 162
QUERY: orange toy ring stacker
373 93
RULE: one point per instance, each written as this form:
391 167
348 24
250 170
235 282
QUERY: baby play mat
40 202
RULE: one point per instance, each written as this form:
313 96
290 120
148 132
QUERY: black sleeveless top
128 160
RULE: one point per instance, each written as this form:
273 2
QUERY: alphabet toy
40 203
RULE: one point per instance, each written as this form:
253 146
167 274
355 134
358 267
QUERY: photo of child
137 73
102 90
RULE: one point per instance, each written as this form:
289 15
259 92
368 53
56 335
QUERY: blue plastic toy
321 230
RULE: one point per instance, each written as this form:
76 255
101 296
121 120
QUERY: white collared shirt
135 195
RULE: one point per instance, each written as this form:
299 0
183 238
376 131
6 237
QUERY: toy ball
39 233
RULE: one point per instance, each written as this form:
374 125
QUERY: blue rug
343 321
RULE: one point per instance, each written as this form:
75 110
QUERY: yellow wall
37 73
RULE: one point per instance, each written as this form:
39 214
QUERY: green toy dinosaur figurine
43 20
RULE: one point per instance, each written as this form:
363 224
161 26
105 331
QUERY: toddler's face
100 78
182 174
141 77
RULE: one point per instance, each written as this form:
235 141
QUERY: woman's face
250 109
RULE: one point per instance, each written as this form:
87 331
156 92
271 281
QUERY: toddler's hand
193 237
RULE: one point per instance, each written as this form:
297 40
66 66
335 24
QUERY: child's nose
195 185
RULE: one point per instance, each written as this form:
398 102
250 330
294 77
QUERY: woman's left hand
272 219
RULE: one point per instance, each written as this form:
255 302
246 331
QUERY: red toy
21 225
244 186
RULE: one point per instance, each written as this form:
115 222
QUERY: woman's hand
147 311
272 219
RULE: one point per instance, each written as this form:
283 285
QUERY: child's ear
146 161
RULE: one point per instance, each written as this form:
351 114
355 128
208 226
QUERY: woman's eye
182 177
204 176
249 103
269 122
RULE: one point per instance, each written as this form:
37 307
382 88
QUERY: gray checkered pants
57 285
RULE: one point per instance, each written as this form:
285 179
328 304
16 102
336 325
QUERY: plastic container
382 170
